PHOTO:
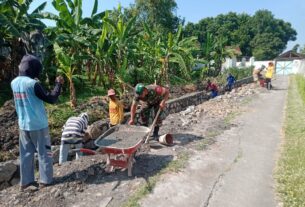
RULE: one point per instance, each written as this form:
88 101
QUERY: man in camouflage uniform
152 97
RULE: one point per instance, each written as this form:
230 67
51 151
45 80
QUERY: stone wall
181 103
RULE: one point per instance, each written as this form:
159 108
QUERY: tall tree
250 33
159 14
270 35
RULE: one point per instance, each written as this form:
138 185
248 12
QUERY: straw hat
111 92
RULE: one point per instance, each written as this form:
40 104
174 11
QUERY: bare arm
165 98
132 112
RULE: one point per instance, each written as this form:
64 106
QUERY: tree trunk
166 70
88 65
95 74
72 94
100 77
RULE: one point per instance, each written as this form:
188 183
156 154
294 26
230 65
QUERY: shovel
152 126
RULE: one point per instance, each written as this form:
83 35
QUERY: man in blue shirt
34 137
230 82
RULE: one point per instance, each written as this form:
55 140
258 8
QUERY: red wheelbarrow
120 143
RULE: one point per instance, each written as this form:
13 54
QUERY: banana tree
73 32
147 55
215 51
103 55
178 50
67 68
113 49
16 26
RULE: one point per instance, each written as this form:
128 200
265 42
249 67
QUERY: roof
290 55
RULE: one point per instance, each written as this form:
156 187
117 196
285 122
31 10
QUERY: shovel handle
153 125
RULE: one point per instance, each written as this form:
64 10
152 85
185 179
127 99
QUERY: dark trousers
268 83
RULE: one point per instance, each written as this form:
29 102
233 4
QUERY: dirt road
238 169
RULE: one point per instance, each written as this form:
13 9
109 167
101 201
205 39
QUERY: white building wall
229 63
297 66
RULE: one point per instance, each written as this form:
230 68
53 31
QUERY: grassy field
290 173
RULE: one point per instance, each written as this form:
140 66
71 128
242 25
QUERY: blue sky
193 10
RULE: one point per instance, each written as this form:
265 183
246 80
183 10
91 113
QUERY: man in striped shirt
73 132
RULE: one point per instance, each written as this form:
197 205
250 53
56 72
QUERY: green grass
290 173
61 111
173 166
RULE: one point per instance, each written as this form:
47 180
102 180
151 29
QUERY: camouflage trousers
148 113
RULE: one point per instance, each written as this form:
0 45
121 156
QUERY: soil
84 182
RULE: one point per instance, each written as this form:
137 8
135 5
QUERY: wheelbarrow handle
86 151
153 125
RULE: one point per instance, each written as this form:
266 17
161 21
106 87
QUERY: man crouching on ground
73 132
152 97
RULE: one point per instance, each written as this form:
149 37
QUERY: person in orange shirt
116 112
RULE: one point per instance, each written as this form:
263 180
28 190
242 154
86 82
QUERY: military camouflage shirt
153 97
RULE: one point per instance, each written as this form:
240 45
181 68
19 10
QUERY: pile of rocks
9 173
223 105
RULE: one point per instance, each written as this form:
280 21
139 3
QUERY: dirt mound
97 107
9 134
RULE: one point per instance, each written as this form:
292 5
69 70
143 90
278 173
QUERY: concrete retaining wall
181 103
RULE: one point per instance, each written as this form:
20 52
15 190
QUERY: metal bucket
166 139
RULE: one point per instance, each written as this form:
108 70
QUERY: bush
238 73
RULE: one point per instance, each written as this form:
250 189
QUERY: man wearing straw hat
116 112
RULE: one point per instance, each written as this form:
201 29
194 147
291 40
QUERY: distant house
290 62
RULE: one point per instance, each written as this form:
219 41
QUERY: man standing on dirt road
152 97
34 136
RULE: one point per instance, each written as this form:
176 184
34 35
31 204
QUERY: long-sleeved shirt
49 97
